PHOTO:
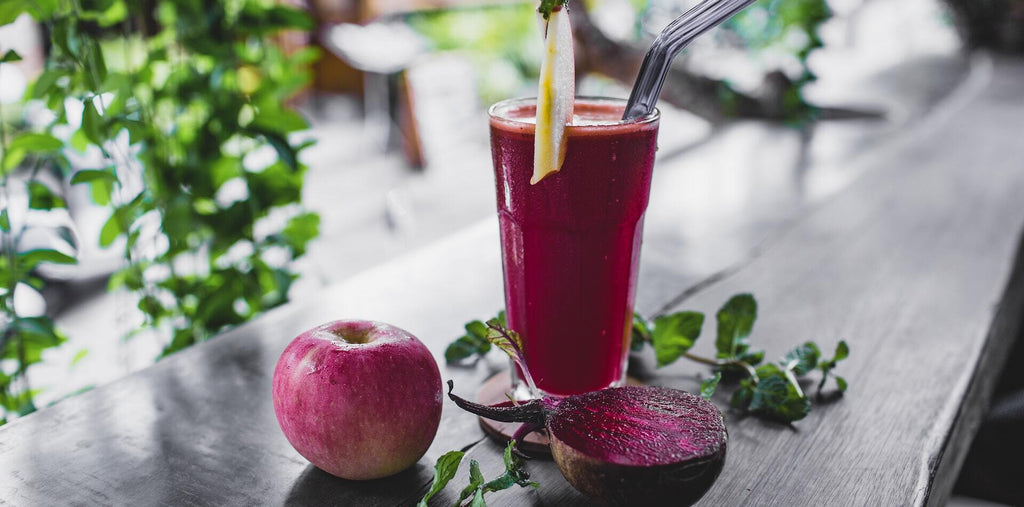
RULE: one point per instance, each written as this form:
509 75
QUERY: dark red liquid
571 244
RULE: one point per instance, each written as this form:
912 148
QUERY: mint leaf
514 473
742 395
476 480
478 499
444 471
826 367
777 398
841 384
802 359
474 342
640 333
752 358
842 351
707 387
735 321
675 334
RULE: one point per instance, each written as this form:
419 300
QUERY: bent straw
676 36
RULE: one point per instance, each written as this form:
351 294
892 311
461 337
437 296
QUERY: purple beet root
626 445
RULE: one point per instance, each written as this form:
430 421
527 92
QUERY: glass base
520 390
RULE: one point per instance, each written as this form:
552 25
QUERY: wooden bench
916 264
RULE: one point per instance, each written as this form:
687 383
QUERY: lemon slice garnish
555 94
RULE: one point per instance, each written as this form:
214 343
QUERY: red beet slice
627 445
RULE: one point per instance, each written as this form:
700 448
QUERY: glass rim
497 110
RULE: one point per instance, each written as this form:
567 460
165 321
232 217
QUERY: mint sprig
448 464
444 472
772 390
474 343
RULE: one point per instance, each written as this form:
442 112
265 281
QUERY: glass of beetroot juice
571 242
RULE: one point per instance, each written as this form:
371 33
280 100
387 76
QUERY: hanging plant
181 104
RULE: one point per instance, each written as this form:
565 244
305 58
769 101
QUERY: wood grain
915 265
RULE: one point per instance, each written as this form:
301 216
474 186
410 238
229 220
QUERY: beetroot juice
571 243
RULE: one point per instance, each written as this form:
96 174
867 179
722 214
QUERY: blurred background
172 169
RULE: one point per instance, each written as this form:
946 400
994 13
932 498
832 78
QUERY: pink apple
358 399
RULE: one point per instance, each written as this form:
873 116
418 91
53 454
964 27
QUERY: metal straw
676 36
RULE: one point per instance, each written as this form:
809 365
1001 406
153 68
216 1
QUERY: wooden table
916 264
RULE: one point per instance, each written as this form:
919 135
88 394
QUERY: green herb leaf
742 395
826 367
842 351
777 398
841 384
707 387
735 321
473 343
675 334
514 473
10 56
640 333
802 359
444 471
478 499
476 480
5 221
753 358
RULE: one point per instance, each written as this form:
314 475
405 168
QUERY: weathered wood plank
909 265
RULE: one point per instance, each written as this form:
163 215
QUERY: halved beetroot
627 445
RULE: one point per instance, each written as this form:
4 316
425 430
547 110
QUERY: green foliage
708 385
782 27
501 41
735 321
198 91
24 338
448 464
771 391
826 367
673 335
444 471
474 343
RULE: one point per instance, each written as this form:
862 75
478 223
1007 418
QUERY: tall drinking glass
571 243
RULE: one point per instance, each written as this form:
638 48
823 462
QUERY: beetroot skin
627 445
358 399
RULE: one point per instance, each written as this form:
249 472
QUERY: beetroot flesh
627 445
